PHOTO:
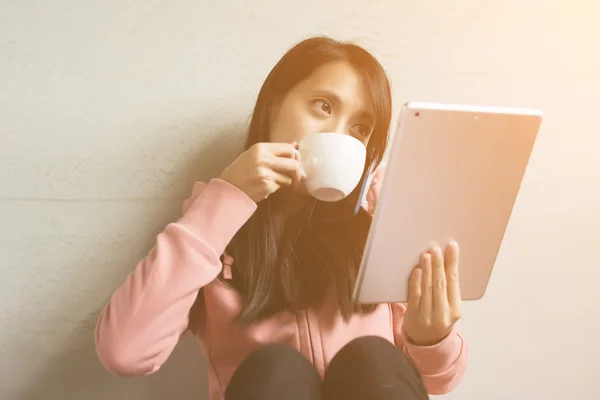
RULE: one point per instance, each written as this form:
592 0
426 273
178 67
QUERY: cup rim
333 134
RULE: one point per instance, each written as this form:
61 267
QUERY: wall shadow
76 372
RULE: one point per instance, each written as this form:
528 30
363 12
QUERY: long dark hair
285 262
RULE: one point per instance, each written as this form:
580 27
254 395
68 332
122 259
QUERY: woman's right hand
263 169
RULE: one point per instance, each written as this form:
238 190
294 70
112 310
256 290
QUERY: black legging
369 367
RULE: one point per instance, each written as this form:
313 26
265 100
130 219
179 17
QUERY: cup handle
299 159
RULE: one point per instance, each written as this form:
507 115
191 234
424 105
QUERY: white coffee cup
333 164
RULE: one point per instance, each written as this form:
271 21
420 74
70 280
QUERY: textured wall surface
110 110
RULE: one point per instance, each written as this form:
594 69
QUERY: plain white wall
109 111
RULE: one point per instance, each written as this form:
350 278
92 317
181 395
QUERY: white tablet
453 174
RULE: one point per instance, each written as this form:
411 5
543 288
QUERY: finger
426 295
454 298
440 294
270 175
414 289
287 166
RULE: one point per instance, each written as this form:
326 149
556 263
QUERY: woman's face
333 99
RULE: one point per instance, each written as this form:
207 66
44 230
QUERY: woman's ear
370 200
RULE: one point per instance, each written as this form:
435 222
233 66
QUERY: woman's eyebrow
331 95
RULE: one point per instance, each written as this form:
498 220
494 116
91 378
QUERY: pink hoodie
156 305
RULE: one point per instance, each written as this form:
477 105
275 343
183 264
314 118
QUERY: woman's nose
339 126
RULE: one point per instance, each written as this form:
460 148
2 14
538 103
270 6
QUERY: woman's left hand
434 301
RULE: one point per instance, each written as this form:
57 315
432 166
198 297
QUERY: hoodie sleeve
442 365
146 316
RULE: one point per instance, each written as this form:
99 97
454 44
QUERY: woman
265 290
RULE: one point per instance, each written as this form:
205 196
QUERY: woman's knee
365 348
274 371
370 353
372 368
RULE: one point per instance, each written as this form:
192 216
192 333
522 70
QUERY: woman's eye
323 106
362 130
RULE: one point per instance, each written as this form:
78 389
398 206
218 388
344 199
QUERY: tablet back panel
454 174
